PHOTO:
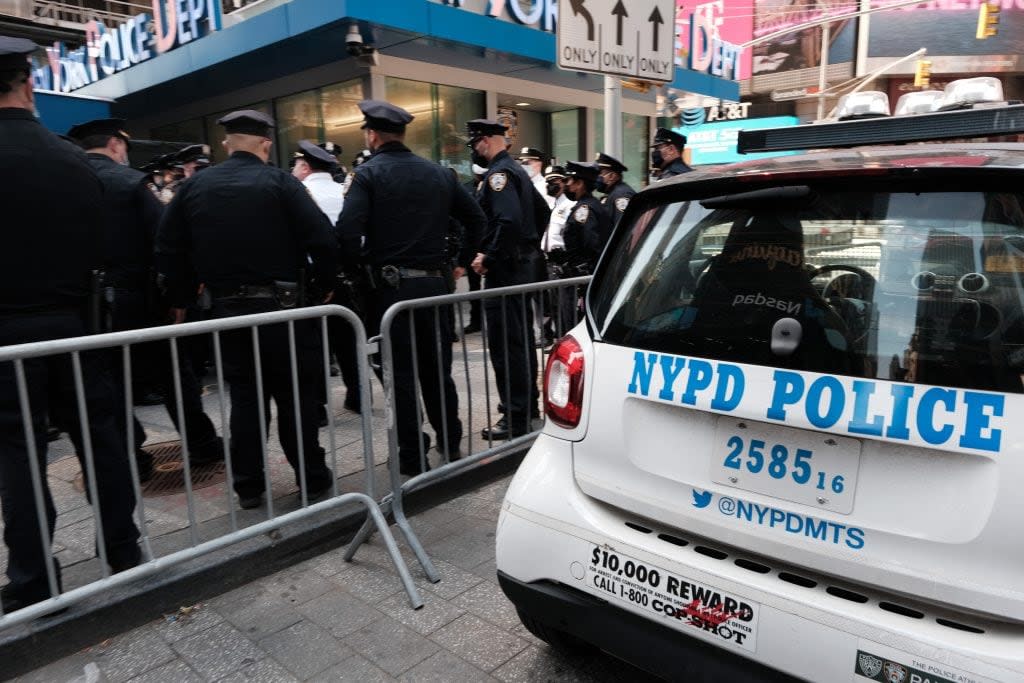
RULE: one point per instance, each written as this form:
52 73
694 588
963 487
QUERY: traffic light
922 73
988 20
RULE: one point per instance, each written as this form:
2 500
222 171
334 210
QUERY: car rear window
920 287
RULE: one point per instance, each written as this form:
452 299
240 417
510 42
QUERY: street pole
613 116
826 35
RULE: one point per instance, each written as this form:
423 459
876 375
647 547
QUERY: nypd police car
767 456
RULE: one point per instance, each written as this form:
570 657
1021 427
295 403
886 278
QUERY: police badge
869 665
581 214
621 203
497 181
894 673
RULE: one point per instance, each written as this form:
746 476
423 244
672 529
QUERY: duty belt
393 275
246 292
411 272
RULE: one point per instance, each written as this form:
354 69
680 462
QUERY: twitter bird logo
701 499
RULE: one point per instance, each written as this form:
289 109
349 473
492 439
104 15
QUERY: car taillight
563 383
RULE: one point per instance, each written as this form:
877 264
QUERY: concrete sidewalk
328 620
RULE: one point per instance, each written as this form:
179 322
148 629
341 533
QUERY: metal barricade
108 343
565 291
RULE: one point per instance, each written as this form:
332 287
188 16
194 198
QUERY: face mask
656 159
479 159
570 194
601 185
554 189
530 171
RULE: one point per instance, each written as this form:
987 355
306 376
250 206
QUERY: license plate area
811 468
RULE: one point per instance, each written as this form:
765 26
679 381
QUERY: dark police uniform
617 198
45 270
395 222
588 227
241 227
131 216
677 166
510 248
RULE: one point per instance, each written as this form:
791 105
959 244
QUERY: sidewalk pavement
328 620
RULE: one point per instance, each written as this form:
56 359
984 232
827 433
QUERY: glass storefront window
416 98
298 118
565 135
184 131
635 142
215 132
342 119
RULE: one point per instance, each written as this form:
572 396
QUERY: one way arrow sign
633 38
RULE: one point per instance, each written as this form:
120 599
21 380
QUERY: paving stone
305 649
442 668
352 670
264 671
130 654
391 646
487 570
297 587
339 612
454 580
66 669
176 671
434 614
260 615
488 602
177 626
479 642
544 664
369 581
218 651
467 548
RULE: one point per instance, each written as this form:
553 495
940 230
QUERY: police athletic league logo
870 665
621 203
894 673
581 214
498 181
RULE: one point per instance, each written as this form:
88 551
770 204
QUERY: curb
49 639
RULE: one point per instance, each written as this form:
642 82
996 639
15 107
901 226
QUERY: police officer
508 257
313 165
45 271
131 216
192 159
667 153
588 227
534 161
246 230
617 192
561 304
395 223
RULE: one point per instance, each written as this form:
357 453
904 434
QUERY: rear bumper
648 645
549 531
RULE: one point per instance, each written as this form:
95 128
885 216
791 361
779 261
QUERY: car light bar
967 123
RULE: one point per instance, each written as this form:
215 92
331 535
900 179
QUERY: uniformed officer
534 161
561 302
45 272
192 159
508 257
131 216
395 223
617 192
313 165
247 230
588 227
667 153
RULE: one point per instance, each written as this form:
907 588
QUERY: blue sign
715 143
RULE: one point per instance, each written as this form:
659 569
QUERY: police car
764 460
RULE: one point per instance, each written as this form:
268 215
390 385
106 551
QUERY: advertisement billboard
801 49
708 35
715 142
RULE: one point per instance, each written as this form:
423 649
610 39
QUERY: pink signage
708 33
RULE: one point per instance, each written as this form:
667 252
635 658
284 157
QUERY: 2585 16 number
756 456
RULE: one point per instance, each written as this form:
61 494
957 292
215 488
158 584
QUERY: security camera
354 40
368 57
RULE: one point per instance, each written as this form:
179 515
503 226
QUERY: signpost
617 38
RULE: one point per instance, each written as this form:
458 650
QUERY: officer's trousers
434 372
511 341
51 391
275 371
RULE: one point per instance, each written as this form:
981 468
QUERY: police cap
482 128
611 163
361 158
665 136
332 148
532 154
384 117
315 155
109 128
14 53
247 122
554 172
581 170
197 153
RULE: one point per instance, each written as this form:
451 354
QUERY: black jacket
131 214
677 167
615 202
585 234
398 209
507 197
52 218
242 222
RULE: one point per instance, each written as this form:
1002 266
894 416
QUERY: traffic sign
618 38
